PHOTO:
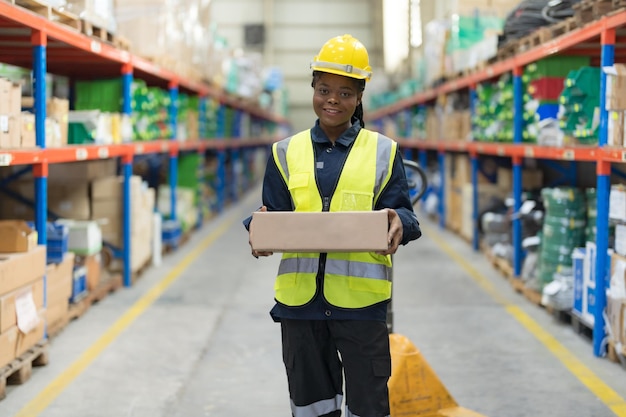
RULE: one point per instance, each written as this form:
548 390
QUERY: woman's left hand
394 235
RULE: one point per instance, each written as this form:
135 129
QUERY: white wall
295 31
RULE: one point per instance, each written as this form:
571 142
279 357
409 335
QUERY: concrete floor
198 340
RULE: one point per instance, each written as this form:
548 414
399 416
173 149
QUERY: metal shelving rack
597 39
31 41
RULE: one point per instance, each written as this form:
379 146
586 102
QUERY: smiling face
335 98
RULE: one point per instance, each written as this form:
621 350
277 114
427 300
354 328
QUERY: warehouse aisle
198 339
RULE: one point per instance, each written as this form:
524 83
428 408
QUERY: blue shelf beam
475 167
40 171
603 187
127 172
518 131
220 186
442 190
173 156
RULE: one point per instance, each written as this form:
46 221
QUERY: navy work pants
317 353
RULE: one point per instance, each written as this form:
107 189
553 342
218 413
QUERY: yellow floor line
57 386
600 389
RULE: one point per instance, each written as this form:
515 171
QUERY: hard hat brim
338 69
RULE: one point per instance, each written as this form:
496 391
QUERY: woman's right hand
257 253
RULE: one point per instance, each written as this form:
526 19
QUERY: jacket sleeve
275 195
396 196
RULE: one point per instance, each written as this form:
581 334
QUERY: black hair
360 86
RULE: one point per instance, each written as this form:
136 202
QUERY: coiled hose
532 14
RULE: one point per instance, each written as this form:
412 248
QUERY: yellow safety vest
354 279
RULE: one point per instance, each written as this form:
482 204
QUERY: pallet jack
414 388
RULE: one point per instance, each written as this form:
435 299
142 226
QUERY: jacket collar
346 138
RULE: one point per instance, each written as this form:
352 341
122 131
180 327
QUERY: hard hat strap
339 67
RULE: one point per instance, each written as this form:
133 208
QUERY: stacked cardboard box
68 190
106 204
22 267
59 290
616 300
616 103
10 108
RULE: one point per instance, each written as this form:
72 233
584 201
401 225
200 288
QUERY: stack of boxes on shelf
10 122
107 208
17 127
87 196
616 104
491 195
616 293
22 268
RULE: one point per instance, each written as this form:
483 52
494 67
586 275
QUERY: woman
332 306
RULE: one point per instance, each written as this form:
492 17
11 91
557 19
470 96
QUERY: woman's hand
257 253
394 235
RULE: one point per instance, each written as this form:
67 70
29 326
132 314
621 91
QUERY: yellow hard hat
343 55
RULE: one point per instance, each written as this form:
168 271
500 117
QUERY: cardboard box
615 311
83 170
8 313
17 236
59 280
617 202
616 128
10 130
57 312
26 341
615 87
110 188
10 97
70 200
18 269
93 264
8 341
350 231
28 138
532 179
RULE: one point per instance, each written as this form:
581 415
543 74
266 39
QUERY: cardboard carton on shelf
8 303
18 269
17 236
348 231
615 87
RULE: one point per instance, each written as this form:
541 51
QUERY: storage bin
79 284
56 243
171 232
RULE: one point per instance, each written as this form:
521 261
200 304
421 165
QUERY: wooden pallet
508 50
90 29
498 263
618 4
106 286
535 39
588 11
517 284
616 356
532 295
581 327
20 369
561 316
136 274
50 13
563 27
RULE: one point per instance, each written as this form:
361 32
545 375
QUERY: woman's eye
323 91
346 95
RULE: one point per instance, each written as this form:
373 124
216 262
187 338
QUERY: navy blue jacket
329 161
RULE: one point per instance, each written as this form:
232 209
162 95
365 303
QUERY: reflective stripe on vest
351 280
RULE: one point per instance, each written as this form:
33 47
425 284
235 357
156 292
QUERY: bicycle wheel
417 180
